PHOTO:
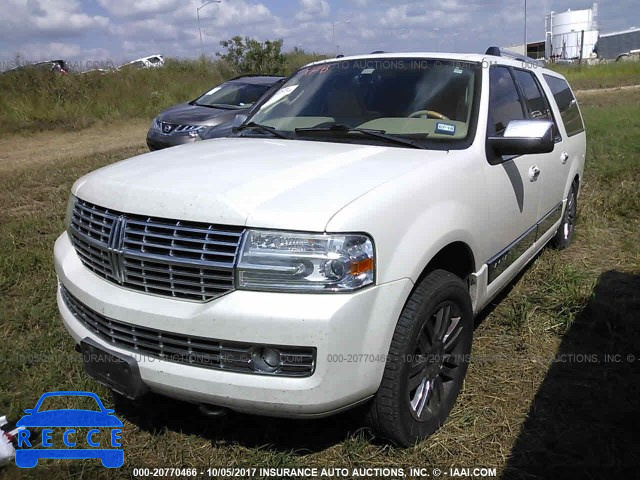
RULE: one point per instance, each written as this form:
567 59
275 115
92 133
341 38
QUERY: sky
99 33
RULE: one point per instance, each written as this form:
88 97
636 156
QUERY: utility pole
526 48
333 30
200 29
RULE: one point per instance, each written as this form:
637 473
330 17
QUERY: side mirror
239 120
524 137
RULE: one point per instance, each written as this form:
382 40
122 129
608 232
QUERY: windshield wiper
265 128
381 134
216 105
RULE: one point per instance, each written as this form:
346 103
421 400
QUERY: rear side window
535 99
566 104
504 101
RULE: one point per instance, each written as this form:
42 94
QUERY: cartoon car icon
70 419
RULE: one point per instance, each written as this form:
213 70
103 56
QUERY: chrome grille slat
181 273
102 234
173 247
181 238
161 279
93 256
153 224
151 287
130 254
191 350
89 215
172 258
93 261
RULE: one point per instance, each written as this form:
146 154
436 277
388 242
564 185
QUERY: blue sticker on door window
445 128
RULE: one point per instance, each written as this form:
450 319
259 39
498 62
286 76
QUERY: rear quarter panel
575 145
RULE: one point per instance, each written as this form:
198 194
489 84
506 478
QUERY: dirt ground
25 151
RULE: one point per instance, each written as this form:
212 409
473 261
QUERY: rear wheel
566 230
427 362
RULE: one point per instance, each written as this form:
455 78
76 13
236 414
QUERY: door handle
564 157
534 173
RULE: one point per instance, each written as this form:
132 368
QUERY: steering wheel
428 114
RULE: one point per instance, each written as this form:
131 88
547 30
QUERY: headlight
71 203
155 125
194 129
303 262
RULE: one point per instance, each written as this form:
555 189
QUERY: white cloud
428 18
152 28
131 8
238 13
39 51
312 10
51 19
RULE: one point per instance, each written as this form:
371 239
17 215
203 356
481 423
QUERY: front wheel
427 362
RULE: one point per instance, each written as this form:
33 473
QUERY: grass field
536 400
606 75
38 100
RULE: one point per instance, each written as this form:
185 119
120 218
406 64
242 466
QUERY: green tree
248 55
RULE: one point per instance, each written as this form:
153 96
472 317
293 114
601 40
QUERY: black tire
427 362
567 228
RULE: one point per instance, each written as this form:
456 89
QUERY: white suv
336 251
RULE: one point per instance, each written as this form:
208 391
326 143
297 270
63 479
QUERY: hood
185 114
269 183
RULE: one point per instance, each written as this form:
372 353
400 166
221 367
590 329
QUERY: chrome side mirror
524 137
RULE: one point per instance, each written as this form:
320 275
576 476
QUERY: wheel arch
456 257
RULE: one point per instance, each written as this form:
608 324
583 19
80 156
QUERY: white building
572 34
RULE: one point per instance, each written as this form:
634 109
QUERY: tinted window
566 104
536 101
504 101
233 95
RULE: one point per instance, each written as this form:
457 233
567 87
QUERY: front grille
172 258
187 349
169 128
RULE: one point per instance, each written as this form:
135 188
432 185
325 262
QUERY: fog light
265 359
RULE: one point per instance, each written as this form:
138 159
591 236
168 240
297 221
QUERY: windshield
232 95
415 98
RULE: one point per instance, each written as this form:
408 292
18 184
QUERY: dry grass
20 151
521 410
36 100
606 75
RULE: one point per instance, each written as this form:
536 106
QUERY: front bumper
157 140
351 332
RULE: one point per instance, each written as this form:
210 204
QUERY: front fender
412 218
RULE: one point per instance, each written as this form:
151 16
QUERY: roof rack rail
498 52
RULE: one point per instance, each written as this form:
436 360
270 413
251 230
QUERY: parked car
180 124
56 66
228 128
335 253
152 61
